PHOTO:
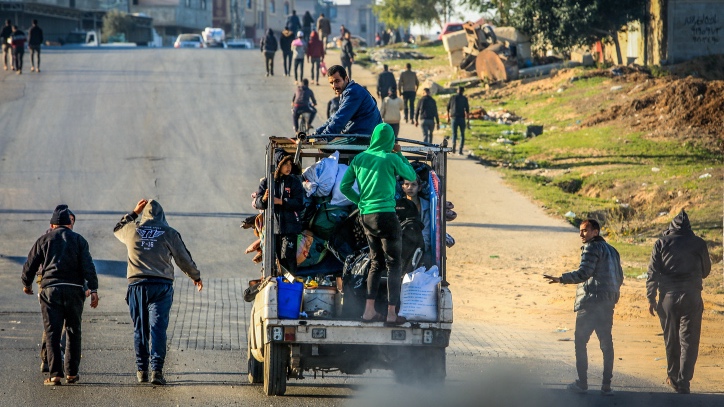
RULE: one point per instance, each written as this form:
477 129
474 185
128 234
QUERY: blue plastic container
289 299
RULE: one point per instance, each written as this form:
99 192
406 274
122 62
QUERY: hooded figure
376 170
151 244
288 200
268 47
679 262
285 43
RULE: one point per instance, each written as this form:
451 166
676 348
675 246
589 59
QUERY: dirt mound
679 105
709 67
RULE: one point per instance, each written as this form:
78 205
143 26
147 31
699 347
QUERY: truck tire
275 369
255 368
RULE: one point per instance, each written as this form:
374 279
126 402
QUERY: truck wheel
255 368
275 369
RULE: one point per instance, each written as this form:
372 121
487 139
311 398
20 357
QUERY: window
203 4
260 20
248 4
188 3
286 8
272 7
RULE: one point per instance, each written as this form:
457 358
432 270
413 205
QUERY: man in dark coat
427 113
324 28
293 24
458 110
5 33
679 262
268 46
307 22
385 82
599 278
62 259
35 40
285 43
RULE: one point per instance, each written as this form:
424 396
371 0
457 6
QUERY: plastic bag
323 68
418 298
321 176
338 197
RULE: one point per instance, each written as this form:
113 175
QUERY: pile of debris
388 54
503 117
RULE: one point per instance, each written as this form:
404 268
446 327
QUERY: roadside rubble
387 54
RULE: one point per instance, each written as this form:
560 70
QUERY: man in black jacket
63 261
6 32
268 47
427 112
385 82
458 110
679 262
35 40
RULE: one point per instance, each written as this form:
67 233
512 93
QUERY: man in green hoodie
375 171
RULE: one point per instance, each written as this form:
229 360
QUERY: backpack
326 218
354 284
348 237
412 239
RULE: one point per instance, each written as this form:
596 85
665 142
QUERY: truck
282 348
214 37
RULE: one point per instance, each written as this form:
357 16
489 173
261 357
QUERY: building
174 17
357 17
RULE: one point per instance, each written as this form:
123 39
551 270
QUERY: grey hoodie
151 245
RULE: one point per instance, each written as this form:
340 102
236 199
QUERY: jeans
408 97
7 52
287 55
428 125
35 53
597 317
269 62
299 65
458 123
150 305
384 236
347 65
315 69
680 314
60 305
18 58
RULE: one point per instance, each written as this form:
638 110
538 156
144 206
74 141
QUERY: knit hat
300 34
61 215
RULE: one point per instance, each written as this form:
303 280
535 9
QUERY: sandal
72 379
52 381
397 322
377 318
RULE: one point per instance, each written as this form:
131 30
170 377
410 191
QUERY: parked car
357 42
244 43
450 28
189 41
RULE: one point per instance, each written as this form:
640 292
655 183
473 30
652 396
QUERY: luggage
347 238
310 249
354 284
326 219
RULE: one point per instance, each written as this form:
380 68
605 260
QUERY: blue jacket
357 113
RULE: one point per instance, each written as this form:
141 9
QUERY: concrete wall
695 28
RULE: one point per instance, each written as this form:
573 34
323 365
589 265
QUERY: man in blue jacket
357 113
599 278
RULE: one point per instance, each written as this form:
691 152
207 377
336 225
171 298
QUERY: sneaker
606 390
44 367
142 376
672 383
577 387
72 379
157 378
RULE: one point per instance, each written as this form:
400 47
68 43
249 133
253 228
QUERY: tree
115 23
565 24
401 13
503 9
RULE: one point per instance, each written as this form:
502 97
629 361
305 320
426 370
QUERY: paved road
100 129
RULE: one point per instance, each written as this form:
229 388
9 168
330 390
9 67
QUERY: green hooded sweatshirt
375 170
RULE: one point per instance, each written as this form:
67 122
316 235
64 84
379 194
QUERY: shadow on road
112 268
513 228
119 214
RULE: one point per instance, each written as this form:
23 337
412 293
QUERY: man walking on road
17 41
324 28
599 278
63 261
375 171
458 110
151 244
407 86
385 82
679 262
427 112
35 40
6 32
268 47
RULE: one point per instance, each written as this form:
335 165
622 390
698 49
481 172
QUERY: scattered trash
504 117
503 140
642 276
494 256
663 213
570 214
707 175
532 131
655 169
386 54
560 90
625 205
564 340
644 184
562 329
479 114
657 359
617 71
616 88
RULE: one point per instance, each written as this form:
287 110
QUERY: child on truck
288 200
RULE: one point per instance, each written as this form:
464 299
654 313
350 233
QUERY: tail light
289 333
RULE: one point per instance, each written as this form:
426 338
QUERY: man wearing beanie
151 244
62 259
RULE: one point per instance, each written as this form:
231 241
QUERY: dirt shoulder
505 243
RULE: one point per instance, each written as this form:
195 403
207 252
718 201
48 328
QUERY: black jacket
679 261
35 36
385 82
285 41
303 96
60 256
458 106
347 50
427 110
268 43
289 189
6 32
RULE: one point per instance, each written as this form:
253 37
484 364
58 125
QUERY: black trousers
408 98
458 123
680 314
315 69
347 65
60 305
597 317
287 55
286 248
299 64
384 236
269 62
18 58
35 53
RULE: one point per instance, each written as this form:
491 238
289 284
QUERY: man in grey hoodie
151 245
599 278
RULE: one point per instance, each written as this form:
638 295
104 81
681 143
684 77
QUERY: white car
189 41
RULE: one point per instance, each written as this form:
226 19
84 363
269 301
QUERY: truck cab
282 347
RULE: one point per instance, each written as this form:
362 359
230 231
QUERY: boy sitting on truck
288 200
